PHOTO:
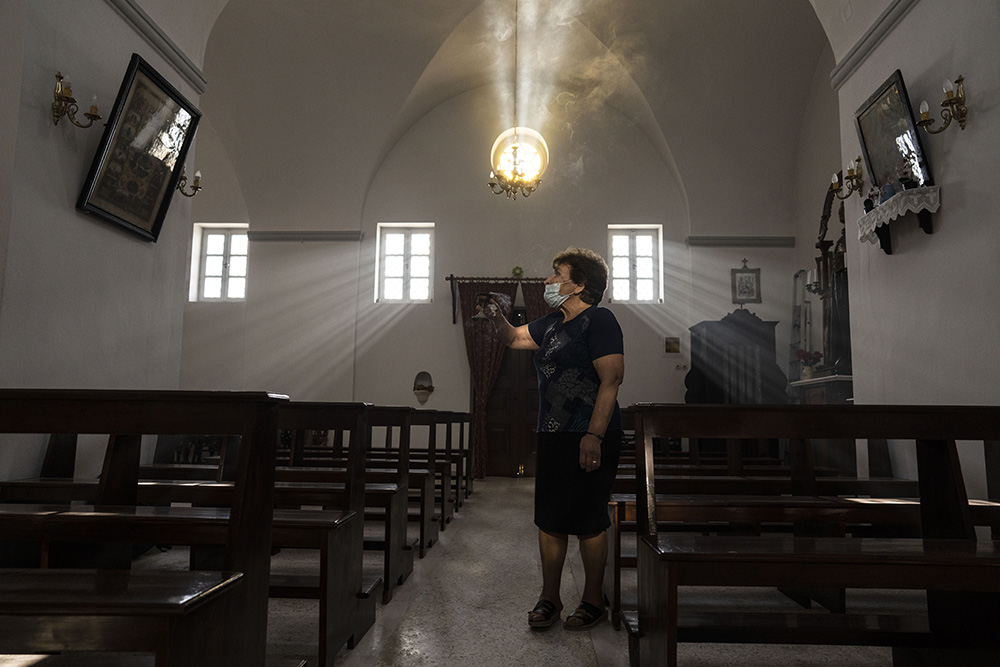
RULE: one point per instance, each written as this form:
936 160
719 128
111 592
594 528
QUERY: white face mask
552 295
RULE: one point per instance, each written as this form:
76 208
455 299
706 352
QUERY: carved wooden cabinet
733 361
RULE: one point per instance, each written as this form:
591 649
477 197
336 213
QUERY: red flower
808 358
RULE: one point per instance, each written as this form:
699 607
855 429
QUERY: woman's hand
590 452
491 310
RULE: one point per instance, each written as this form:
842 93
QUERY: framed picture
672 345
746 284
141 154
889 138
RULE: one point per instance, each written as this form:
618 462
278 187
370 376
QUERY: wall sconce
812 283
854 180
65 104
195 185
954 107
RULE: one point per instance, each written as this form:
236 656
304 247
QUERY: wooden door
512 416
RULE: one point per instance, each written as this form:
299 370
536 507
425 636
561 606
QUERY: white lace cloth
908 201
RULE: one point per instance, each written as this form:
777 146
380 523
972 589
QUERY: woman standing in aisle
580 363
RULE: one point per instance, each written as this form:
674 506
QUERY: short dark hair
586 268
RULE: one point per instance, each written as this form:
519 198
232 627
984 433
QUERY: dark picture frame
890 142
746 285
141 155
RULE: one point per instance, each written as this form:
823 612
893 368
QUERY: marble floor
467 600
466 604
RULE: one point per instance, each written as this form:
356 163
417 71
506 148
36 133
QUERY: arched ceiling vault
310 97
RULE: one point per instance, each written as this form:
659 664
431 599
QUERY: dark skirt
569 499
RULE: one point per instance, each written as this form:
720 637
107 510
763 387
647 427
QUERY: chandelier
519 155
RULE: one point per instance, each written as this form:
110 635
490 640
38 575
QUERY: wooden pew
346 609
178 616
688 497
435 459
322 480
452 461
744 485
126 415
457 452
428 502
382 466
462 422
386 491
752 515
961 576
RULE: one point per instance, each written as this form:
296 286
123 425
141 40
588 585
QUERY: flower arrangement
808 358
872 201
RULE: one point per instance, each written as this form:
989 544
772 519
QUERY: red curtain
485 356
534 300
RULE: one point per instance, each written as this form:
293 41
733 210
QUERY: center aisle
467 601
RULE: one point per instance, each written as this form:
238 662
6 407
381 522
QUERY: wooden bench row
450 462
960 574
337 531
238 603
346 609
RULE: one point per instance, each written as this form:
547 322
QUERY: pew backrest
933 429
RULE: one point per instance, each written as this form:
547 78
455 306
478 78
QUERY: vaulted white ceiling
309 97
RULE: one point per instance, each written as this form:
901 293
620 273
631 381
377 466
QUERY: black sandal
590 614
548 612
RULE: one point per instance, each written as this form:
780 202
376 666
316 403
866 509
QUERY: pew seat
750 515
207 527
784 560
959 622
318 486
108 660
177 615
125 417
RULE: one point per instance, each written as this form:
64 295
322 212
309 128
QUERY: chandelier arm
516 21
946 115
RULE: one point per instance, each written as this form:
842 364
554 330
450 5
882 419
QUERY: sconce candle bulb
854 180
195 185
65 104
954 107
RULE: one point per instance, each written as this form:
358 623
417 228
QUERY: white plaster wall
300 319
846 21
221 199
925 323
606 174
925 320
85 303
818 158
188 22
213 345
11 47
603 172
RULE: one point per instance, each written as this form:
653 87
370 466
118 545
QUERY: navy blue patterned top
567 379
